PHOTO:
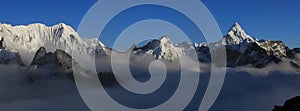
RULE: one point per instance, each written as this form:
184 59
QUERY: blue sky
265 19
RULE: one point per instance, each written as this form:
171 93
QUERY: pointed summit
165 39
236 24
236 28
236 35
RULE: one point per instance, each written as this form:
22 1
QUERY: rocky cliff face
8 57
290 105
57 64
254 54
294 53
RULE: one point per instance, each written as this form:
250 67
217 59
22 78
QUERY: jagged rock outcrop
275 48
294 53
37 59
203 53
290 105
257 56
2 46
49 65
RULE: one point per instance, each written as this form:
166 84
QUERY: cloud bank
245 89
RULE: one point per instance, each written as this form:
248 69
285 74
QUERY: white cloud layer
245 89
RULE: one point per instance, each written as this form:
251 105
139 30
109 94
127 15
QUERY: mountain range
26 40
241 48
28 46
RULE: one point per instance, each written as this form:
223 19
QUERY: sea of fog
242 91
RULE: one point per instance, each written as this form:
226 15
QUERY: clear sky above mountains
265 19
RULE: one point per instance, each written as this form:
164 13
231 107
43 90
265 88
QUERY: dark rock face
295 65
292 53
233 56
290 105
203 54
38 56
297 50
107 79
7 56
245 54
64 61
2 43
48 65
257 56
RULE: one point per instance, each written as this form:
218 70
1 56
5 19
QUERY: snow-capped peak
165 39
162 48
236 35
28 39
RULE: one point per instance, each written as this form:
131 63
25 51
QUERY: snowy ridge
28 39
242 49
162 48
276 48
